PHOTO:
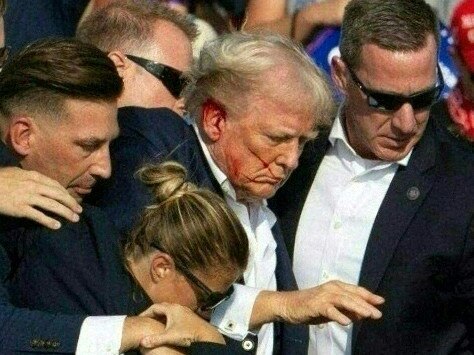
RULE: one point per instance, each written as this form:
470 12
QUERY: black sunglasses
393 102
4 51
213 299
170 77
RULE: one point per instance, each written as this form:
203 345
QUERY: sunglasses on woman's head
212 299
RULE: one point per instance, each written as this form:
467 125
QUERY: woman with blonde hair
188 249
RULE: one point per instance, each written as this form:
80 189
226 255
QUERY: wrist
135 329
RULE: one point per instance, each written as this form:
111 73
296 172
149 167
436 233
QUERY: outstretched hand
27 194
183 327
333 301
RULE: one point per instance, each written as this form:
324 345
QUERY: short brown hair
193 225
43 75
395 25
128 24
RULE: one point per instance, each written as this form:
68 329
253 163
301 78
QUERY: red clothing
461 111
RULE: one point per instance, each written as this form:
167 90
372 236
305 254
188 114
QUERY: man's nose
404 119
290 155
102 166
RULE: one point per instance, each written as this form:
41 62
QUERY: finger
61 195
359 306
41 218
155 310
363 292
334 314
54 190
56 207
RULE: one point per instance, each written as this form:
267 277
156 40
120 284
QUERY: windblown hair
395 25
3 7
193 225
127 25
237 66
42 76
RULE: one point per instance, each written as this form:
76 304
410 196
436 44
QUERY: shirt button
325 275
248 345
337 225
321 326
229 326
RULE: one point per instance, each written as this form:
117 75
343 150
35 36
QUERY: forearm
135 329
270 14
268 307
324 13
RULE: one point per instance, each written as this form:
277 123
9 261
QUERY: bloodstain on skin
235 166
264 163
211 104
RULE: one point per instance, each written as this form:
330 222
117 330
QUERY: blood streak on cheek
264 163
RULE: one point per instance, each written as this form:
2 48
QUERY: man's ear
20 134
338 74
162 266
214 117
121 62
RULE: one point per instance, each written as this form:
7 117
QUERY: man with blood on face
382 199
255 138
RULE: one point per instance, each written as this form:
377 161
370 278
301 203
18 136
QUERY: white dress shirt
335 225
233 316
100 335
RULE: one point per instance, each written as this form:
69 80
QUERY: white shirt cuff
232 317
100 335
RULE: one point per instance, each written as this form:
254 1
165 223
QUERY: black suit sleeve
26 331
245 347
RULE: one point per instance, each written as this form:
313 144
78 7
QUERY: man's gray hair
237 66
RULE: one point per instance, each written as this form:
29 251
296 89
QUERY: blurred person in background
456 112
295 18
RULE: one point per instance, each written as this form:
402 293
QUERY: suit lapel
405 195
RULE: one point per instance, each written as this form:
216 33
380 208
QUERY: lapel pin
413 193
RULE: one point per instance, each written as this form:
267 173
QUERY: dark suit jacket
153 135
420 254
23 330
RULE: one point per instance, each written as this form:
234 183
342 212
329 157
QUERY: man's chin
257 194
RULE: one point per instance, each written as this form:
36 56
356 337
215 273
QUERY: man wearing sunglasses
150 45
380 199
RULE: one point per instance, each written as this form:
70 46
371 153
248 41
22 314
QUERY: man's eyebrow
90 141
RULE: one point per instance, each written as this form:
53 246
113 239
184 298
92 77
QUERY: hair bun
166 180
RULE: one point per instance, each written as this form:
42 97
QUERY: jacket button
55 344
34 343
